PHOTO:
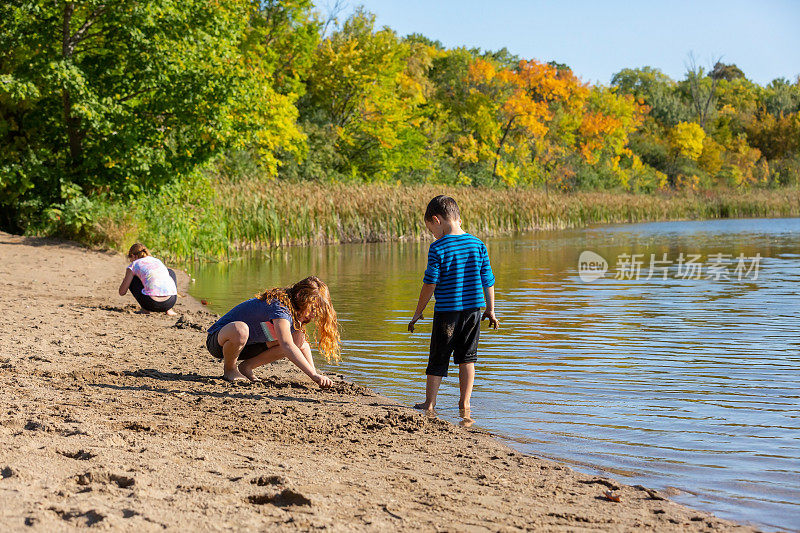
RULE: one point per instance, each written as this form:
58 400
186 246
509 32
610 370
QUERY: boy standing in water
460 276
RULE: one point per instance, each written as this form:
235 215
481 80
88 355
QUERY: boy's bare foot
234 375
425 406
170 312
248 373
466 417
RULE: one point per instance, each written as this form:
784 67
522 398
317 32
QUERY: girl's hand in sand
323 381
414 320
493 323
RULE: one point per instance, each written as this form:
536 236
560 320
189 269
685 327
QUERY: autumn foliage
463 116
219 91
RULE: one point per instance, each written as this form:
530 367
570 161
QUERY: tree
608 121
462 120
781 97
112 96
365 89
702 89
657 90
640 82
687 140
502 58
285 35
721 71
775 137
523 98
421 39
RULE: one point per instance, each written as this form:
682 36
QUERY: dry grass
260 214
256 214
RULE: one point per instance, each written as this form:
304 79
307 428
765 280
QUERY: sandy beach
115 420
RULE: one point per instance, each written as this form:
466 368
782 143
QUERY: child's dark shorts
454 332
250 350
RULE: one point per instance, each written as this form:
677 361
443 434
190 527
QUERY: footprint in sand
263 481
80 455
136 426
90 477
89 517
285 498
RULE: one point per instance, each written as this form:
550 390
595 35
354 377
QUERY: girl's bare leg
270 355
232 337
273 353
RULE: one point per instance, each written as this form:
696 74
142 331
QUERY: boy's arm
424 297
488 293
429 282
487 278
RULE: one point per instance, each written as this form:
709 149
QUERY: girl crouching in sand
271 326
152 284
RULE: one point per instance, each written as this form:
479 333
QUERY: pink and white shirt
154 276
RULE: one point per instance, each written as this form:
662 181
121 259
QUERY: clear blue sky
600 37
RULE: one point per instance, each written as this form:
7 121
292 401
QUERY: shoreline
240 252
111 419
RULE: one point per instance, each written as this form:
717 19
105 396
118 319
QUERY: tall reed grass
252 214
280 213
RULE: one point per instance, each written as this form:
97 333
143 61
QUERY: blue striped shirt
459 266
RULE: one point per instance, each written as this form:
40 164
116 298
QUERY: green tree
781 97
721 71
363 95
285 35
457 117
657 90
110 96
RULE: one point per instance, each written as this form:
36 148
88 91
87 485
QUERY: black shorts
250 350
457 333
136 287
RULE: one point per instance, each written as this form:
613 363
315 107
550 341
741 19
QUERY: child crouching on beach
271 326
153 285
460 276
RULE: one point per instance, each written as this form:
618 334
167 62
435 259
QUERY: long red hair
311 294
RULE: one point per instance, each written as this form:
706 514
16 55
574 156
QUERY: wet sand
115 420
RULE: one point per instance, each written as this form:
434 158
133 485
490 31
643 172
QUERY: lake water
690 382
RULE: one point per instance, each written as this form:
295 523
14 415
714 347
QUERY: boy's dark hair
443 207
